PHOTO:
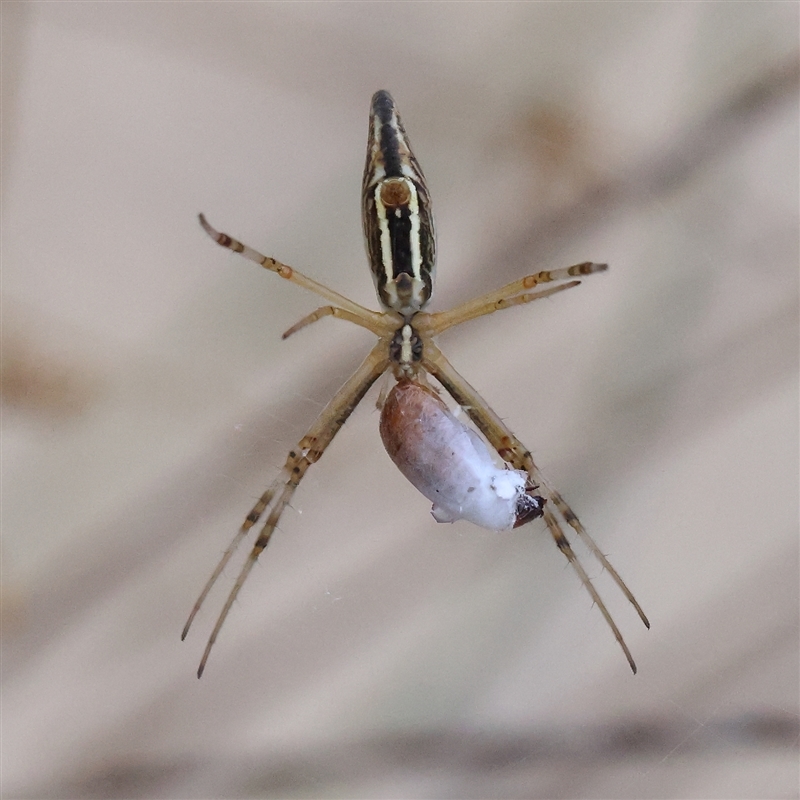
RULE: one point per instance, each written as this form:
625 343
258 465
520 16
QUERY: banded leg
513 452
514 293
572 520
371 320
309 450
332 311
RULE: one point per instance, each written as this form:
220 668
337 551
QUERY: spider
443 458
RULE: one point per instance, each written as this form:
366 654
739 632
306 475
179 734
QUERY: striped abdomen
396 213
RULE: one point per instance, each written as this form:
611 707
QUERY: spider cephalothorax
444 458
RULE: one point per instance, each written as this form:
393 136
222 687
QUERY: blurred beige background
148 398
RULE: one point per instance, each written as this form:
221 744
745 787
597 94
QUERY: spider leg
308 450
436 323
331 311
566 548
250 520
513 452
572 520
513 293
509 448
371 320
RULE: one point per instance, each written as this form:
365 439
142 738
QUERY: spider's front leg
513 452
309 450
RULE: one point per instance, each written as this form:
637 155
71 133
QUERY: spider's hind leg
352 311
515 293
341 313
